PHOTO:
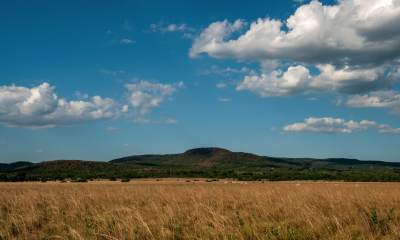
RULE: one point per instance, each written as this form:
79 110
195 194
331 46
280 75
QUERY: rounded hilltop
207 152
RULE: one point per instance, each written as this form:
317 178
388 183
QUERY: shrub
126 180
80 180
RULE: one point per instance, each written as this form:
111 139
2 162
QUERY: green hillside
208 163
8 166
225 159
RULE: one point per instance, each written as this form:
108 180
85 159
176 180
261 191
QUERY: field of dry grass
204 210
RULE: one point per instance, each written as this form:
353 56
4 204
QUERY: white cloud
385 99
352 32
80 96
126 41
2 143
40 107
386 129
125 108
146 95
337 102
171 121
221 85
276 83
215 33
104 103
110 129
149 121
170 28
312 99
354 44
223 99
300 1
127 145
329 125
39 151
274 129
143 121
297 80
188 35
227 72
110 72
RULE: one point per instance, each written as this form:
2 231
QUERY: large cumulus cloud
40 107
354 32
355 45
297 80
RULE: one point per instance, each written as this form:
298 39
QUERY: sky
99 80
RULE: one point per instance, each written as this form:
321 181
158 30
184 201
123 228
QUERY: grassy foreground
172 209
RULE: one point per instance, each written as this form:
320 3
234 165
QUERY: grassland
176 209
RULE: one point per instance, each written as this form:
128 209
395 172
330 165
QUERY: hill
10 166
225 159
203 158
209 163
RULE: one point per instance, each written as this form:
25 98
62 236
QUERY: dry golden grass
182 210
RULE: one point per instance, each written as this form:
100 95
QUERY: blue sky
98 80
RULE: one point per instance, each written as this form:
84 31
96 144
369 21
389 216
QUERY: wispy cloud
170 28
274 129
386 129
39 151
227 72
223 99
127 26
146 95
80 96
127 145
149 121
110 129
337 102
126 41
2 143
104 71
221 85
312 99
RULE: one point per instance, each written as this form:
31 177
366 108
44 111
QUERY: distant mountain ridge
9 166
202 158
219 157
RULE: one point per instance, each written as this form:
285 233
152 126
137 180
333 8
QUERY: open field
172 209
